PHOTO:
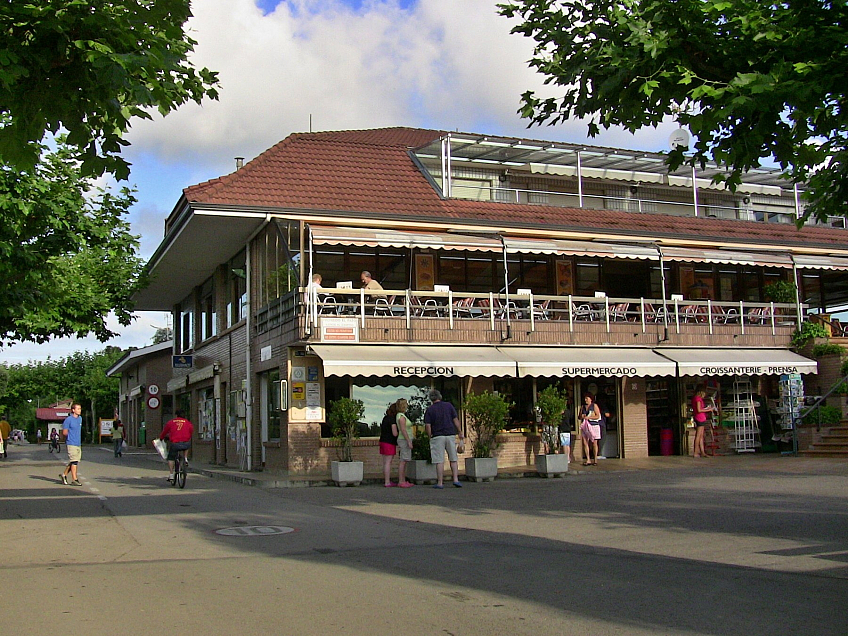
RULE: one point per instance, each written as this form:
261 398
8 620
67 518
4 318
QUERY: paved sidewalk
576 469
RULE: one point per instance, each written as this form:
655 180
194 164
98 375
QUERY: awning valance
738 361
810 261
581 248
323 235
588 361
728 257
414 360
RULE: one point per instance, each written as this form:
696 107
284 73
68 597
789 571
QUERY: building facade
506 265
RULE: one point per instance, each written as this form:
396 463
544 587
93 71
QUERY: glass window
187 324
588 277
208 323
727 286
273 402
237 289
751 286
452 270
535 274
480 273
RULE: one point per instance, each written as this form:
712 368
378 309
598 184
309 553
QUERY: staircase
830 442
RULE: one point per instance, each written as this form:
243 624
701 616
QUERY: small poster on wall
425 275
564 277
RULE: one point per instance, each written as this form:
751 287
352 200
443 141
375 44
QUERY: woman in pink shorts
590 429
388 443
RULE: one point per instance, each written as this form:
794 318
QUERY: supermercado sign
599 371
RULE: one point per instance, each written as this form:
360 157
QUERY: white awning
323 235
738 361
588 361
414 360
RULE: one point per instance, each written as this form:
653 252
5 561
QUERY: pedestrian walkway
576 469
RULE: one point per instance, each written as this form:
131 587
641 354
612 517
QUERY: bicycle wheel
180 477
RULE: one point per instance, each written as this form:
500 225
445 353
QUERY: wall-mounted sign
339 329
153 389
182 362
153 402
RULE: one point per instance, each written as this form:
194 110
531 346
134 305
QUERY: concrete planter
420 471
346 473
481 468
552 465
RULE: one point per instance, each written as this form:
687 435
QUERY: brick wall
634 420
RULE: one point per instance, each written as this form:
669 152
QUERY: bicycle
180 470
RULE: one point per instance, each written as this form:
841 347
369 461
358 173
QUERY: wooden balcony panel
556 332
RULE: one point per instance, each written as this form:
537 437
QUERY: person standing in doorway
700 412
442 425
118 437
72 430
590 429
38 435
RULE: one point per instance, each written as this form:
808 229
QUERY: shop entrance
607 393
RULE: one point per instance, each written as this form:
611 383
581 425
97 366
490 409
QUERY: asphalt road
737 546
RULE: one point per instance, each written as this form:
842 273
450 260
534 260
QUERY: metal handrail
821 399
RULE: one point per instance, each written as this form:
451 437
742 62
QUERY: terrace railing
532 309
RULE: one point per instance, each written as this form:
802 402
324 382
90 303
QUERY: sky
285 66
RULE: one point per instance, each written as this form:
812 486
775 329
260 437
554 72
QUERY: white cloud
438 63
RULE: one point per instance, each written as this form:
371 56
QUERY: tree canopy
751 80
67 257
88 68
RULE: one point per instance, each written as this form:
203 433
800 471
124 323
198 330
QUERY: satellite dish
678 138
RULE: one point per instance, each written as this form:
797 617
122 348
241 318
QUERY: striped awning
363 237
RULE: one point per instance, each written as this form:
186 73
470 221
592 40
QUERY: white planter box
346 473
481 468
552 465
420 471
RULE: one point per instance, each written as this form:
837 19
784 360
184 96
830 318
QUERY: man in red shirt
178 431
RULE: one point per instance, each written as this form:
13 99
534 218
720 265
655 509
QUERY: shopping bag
160 447
124 446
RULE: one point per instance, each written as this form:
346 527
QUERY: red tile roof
370 172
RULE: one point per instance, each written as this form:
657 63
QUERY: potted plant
345 414
551 403
420 470
486 414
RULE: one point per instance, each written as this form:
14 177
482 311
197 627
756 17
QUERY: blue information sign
182 362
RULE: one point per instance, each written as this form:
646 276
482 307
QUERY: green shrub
345 414
421 446
551 403
830 415
487 415
827 349
807 331
781 291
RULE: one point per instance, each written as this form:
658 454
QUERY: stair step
824 453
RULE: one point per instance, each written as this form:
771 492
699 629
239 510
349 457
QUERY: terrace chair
327 305
755 316
725 316
690 313
618 312
502 310
582 313
653 314
462 307
427 308
384 306
540 310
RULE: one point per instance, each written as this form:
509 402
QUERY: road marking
253 531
